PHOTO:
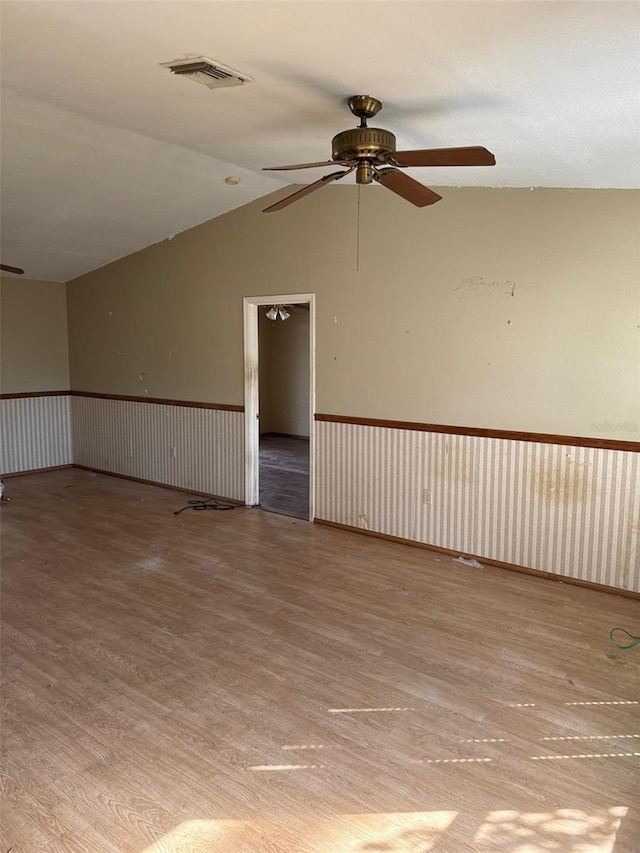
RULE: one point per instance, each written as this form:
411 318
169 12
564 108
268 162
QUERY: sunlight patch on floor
196 836
451 760
586 755
400 832
274 767
484 740
591 737
617 702
364 710
566 830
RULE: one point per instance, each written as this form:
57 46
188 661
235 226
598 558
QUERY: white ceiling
105 152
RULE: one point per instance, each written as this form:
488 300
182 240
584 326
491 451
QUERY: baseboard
512 567
157 483
34 471
233 501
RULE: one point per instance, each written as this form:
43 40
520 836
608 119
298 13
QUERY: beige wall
283 367
504 308
34 347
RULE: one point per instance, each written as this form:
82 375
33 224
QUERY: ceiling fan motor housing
363 143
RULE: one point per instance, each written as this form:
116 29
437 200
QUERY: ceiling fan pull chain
358 233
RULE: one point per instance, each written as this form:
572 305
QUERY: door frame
252 391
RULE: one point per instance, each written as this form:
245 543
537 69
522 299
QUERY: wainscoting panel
572 511
192 448
35 432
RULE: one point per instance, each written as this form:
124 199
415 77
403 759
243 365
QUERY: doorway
279 402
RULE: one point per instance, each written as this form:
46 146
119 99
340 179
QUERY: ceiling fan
7 268
371 152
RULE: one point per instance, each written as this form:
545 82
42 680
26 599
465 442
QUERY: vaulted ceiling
105 151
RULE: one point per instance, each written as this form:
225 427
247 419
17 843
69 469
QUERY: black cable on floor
202 504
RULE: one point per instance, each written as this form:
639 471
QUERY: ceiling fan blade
299 166
404 185
7 268
474 155
285 202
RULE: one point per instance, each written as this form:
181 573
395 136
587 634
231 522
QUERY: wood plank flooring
245 681
284 475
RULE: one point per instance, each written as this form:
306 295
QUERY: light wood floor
244 681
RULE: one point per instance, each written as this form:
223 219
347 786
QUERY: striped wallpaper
573 511
189 447
35 433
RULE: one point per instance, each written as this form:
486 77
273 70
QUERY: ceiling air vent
210 73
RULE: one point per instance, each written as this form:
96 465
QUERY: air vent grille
209 72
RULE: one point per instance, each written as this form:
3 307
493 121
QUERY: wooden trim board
512 567
121 477
156 483
160 401
35 471
25 394
513 435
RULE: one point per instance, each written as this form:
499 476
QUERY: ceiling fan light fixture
278 311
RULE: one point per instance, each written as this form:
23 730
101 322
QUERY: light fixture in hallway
278 311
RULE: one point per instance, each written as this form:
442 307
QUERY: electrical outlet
426 496
363 521
175 452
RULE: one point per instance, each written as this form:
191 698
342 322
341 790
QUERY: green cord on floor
634 640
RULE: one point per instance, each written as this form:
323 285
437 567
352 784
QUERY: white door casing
252 391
